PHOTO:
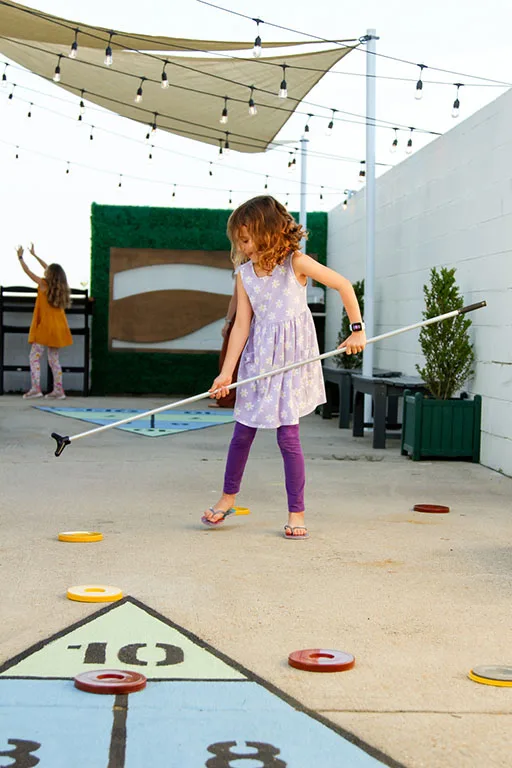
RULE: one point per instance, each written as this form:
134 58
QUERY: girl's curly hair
273 230
57 292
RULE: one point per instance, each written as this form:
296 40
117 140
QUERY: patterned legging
36 352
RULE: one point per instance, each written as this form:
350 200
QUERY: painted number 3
224 756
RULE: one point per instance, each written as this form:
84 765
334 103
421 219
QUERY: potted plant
441 424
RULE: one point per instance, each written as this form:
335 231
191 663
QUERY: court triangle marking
200 708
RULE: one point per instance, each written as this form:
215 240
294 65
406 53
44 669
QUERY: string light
456 103
362 171
56 74
108 53
164 83
82 105
224 115
394 145
287 199
252 106
226 144
174 191
408 148
12 92
283 89
349 193
256 51
291 163
4 77
419 85
266 183
17 153
29 113
321 193
210 172
138 97
74 47
230 196
67 169
329 129
91 137
306 127
221 152
120 181
150 156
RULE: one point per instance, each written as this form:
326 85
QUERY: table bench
385 393
342 379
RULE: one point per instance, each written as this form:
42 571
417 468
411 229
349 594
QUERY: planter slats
441 428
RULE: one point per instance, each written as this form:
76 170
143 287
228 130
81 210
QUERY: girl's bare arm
241 328
34 254
35 278
305 265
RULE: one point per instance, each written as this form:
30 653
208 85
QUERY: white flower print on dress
282 332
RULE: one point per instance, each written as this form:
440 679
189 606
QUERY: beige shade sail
25 23
192 104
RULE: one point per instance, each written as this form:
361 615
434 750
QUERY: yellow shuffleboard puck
80 536
242 511
94 593
492 675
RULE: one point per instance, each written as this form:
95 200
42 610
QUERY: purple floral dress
282 332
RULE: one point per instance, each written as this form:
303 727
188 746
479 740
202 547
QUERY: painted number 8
265 753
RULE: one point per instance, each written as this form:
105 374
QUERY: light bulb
165 81
256 51
283 90
74 50
394 146
456 107
419 90
56 76
138 97
252 108
108 56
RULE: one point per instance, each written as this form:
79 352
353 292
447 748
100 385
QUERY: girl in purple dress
274 328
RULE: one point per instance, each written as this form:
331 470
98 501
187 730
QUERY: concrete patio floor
418 599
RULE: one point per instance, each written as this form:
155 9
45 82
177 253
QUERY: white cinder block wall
449 204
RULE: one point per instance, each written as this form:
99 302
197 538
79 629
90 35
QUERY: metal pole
303 216
62 441
369 280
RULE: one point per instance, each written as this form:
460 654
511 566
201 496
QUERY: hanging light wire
343 44
275 147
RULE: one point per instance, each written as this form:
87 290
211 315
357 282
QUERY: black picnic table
385 392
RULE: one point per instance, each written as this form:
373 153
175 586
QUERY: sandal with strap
294 528
211 523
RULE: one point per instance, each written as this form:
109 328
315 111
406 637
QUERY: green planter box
443 428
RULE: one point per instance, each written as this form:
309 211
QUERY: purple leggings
288 439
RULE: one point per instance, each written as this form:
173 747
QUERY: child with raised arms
49 327
274 328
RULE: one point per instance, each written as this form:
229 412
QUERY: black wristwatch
356 327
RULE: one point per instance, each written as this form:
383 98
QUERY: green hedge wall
161 373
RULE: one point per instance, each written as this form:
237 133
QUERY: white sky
40 202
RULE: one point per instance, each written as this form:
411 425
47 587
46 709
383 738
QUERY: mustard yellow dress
49 325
